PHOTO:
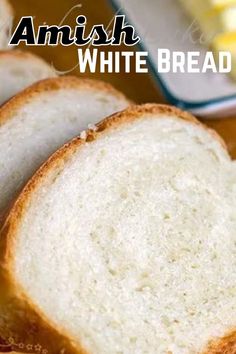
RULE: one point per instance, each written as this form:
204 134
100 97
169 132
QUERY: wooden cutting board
139 87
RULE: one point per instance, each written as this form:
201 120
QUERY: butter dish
164 24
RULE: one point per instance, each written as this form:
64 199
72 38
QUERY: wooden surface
138 87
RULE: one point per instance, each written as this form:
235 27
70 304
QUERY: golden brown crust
225 345
54 84
20 314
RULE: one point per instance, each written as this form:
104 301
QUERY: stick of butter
227 42
218 21
199 8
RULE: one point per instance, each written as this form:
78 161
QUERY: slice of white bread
39 120
6 20
124 242
19 70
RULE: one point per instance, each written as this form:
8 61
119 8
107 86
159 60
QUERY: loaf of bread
6 20
41 119
124 242
20 69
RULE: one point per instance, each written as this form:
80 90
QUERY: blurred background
138 87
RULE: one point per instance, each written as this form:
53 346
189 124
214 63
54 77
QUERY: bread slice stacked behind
41 119
19 70
6 20
124 242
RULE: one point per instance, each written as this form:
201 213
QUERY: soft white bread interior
124 242
41 119
6 20
19 70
